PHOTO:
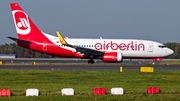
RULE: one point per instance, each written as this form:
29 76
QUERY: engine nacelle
112 57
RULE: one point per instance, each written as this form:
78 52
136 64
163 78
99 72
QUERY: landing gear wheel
90 61
153 63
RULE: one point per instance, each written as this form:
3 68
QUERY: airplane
107 50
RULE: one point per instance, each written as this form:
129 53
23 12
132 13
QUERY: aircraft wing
83 50
87 51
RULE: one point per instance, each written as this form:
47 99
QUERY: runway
70 60
83 67
75 64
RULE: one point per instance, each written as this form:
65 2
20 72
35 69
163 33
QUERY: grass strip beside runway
50 84
170 63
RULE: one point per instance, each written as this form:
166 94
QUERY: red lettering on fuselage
133 45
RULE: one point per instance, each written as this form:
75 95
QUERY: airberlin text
133 45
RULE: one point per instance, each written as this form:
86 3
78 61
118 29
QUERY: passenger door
150 47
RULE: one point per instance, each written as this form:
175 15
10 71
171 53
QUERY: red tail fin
25 28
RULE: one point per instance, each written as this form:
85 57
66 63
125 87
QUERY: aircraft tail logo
25 27
21 22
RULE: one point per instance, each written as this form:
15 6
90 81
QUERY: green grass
50 84
170 63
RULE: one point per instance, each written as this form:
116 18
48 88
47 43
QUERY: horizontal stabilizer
18 40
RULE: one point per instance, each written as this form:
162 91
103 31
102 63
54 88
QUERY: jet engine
112 57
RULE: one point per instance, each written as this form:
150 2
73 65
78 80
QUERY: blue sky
157 20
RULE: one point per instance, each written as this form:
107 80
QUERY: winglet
61 39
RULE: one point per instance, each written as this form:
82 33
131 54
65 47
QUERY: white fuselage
128 47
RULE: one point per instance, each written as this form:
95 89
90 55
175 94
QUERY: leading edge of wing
85 51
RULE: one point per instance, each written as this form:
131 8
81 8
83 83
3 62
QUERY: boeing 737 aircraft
108 50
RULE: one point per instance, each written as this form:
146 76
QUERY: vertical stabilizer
25 28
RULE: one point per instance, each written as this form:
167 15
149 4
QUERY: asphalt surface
68 60
73 64
83 67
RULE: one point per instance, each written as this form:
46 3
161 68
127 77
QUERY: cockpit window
161 46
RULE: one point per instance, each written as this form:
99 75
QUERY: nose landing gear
91 61
155 60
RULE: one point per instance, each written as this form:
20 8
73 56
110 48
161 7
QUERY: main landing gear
91 61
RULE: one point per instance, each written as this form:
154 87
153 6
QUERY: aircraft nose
170 51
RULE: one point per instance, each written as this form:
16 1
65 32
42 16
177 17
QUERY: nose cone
170 51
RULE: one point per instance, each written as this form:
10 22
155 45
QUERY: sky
157 20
